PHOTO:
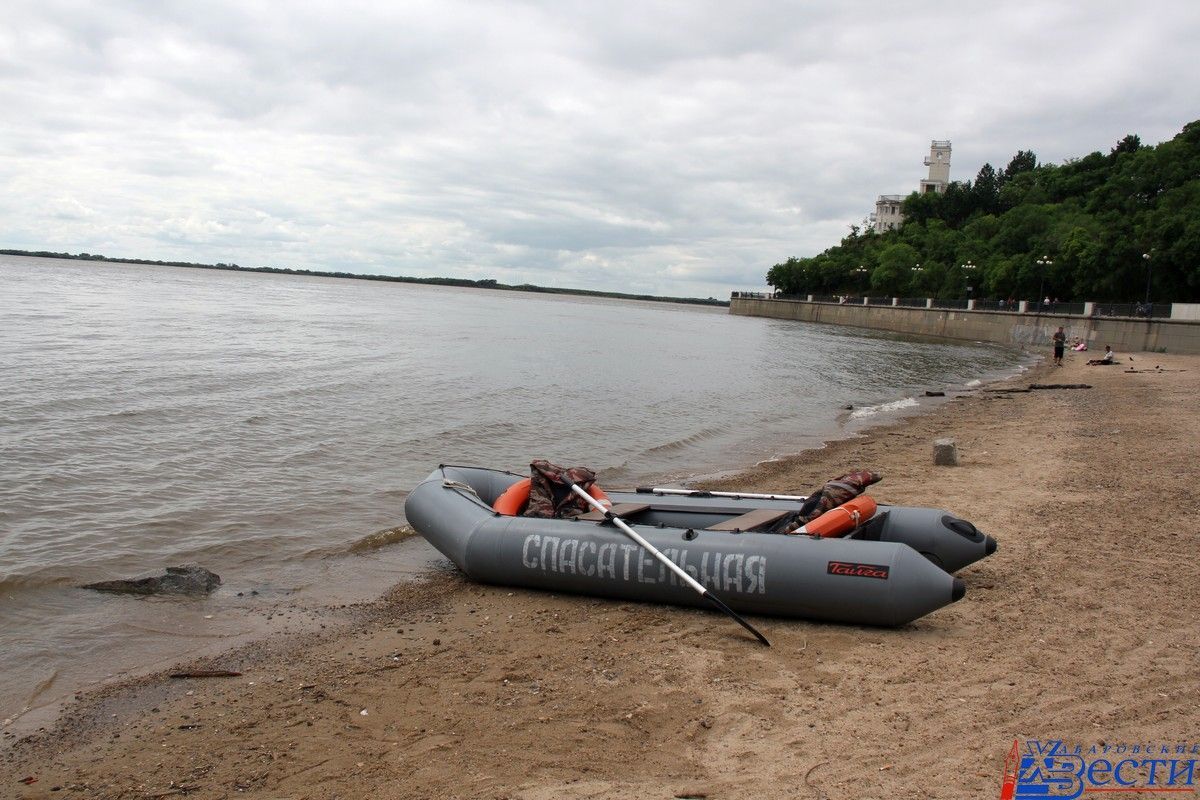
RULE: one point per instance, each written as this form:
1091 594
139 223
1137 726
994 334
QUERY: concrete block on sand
945 453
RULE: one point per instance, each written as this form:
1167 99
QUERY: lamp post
861 272
1043 263
968 268
1149 272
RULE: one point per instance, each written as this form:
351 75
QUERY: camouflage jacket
832 495
549 494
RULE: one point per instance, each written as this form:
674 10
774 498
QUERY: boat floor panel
750 520
620 509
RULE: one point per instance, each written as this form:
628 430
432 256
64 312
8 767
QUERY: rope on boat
467 491
449 484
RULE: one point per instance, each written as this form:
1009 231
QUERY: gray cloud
665 147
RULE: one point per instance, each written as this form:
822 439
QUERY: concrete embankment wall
1021 330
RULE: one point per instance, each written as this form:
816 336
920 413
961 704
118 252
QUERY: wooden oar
671 565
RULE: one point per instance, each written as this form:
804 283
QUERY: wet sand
1081 627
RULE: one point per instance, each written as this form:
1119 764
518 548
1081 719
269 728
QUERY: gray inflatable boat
871 578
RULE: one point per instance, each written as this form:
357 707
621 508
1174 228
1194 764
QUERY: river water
267 427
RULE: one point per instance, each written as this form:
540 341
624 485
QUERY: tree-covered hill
1090 221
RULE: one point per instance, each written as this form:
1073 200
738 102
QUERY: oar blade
716 601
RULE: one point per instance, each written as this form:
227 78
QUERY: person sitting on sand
1109 357
1079 346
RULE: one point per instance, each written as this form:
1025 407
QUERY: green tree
1093 216
894 272
985 192
1130 144
788 278
1023 161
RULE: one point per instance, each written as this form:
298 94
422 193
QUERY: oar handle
668 563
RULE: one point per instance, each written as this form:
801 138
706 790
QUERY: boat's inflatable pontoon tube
940 536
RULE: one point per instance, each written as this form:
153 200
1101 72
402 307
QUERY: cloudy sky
677 148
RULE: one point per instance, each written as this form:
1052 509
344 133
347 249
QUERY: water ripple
261 424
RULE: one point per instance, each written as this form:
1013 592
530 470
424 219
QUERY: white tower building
938 162
888 215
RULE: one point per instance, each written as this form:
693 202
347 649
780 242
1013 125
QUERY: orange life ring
515 498
844 518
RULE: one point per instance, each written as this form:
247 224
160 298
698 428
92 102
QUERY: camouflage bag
549 494
832 495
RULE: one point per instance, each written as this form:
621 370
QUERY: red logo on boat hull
879 571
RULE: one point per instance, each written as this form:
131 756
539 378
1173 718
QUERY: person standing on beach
1060 341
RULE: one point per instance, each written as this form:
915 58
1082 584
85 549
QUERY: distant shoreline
486 283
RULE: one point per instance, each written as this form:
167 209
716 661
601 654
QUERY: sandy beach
1081 627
